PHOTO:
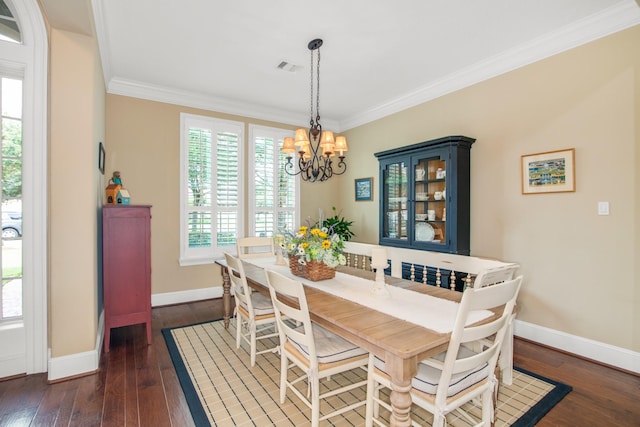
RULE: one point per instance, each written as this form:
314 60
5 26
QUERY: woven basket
316 270
312 270
296 268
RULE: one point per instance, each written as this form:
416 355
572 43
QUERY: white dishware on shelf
424 232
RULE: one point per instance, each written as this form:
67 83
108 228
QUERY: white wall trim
594 350
31 57
78 363
89 361
73 365
180 297
119 86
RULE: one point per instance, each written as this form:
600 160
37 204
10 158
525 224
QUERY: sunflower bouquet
320 244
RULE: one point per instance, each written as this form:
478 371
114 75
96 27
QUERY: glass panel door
430 200
394 199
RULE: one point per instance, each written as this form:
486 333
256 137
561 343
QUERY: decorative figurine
116 194
115 179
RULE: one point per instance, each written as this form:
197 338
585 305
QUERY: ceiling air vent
286 66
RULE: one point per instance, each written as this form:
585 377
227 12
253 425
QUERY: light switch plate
603 208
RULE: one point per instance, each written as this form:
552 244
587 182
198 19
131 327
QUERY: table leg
226 296
400 404
401 372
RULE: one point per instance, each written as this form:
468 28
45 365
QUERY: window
210 187
11 167
9 30
273 194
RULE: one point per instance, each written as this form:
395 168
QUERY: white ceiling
378 57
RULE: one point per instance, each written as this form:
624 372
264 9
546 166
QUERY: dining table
401 343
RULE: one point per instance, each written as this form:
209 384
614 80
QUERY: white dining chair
459 375
255 319
255 247
490 277
316 351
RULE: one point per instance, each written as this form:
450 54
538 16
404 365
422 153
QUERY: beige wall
76 126
581 274
143 143
579 267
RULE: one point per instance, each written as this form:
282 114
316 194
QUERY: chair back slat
290 304
255 247
495 275
238 279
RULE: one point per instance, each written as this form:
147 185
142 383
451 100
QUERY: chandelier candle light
315 164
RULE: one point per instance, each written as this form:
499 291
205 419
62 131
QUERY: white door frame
30 58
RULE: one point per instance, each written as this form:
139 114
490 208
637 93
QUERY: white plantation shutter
273 194
211 187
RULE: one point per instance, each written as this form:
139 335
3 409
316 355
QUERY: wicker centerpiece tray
312 270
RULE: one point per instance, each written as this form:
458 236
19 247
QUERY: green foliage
12 159
339 225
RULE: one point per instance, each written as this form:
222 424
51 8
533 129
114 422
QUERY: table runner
423 310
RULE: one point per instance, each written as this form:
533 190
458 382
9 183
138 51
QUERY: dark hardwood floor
137 385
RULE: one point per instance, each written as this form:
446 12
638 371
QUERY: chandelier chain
314 120
315 152
318 88
311 90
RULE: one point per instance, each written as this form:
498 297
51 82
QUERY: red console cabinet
126 245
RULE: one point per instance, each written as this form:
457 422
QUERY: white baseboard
79 363
169 298
605 353
82 363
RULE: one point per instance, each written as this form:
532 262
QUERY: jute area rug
222 389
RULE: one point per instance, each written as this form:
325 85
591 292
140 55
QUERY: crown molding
616 18
100 28
195 100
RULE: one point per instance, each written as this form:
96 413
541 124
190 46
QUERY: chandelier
316 148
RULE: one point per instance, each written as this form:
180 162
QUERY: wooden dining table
401 344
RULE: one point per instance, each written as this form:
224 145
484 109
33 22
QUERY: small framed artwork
364 189
101 156
549 172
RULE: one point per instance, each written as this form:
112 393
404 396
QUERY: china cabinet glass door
395 189
429 198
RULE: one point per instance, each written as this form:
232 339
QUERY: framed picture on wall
364 189
101 157
548 172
